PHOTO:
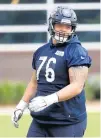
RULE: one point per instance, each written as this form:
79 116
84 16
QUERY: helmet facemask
62 36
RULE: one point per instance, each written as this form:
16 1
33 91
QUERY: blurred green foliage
11 93
92 87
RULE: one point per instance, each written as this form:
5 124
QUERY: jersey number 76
48 69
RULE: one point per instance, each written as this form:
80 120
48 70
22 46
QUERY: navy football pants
44 130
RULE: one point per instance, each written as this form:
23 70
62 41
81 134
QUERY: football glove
18 112
40 103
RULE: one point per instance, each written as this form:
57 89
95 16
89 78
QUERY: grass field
7 129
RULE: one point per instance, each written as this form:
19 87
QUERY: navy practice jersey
52 64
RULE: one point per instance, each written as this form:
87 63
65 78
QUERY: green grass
93 126
8 130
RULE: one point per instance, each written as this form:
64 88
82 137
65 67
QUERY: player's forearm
69 91
29 92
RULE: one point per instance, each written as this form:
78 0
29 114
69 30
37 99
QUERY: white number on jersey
48 69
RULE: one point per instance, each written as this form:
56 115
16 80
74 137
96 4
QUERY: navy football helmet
62 15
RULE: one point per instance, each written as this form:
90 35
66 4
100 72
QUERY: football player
55 95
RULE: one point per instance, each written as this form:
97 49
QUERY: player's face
63 28
62 31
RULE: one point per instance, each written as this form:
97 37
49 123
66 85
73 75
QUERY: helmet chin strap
61 39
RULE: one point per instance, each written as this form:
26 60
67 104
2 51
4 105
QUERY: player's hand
18 112
40 103
16 116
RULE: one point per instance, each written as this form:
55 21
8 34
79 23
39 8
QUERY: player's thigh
35 130
76 130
